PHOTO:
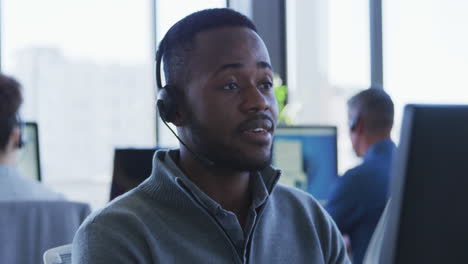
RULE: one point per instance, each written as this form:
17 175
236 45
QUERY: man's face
352 118
229 107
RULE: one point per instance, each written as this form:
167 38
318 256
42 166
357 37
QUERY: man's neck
371 140
7 159
229 188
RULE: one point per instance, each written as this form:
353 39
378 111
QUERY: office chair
58 255
29 228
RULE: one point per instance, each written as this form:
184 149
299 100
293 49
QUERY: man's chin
255 160
245 164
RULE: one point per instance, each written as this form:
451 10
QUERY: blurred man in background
14 186
360 195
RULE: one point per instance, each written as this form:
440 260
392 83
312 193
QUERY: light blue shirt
14 186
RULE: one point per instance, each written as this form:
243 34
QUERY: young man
13 186
360 195
216 199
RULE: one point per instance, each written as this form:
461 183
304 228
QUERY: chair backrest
58 255
131 167
29 228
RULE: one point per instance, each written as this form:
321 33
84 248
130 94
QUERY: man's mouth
262 123
258 130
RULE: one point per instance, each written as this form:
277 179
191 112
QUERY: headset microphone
205 161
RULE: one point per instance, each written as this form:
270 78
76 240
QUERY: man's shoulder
131 205
361 171
295 199
18 187
307 214
117 221
297 202
371 169
291 193
117 231
41 192
357 170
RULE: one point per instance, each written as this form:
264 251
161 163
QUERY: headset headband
159 54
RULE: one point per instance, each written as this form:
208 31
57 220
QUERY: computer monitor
131 167
428 216
307 155
29 162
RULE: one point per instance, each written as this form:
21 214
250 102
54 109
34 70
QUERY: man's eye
231 86
266 85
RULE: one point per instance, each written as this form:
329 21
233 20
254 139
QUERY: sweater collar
165 168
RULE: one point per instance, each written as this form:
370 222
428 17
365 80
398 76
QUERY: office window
86 68
168 12
328 61
425 54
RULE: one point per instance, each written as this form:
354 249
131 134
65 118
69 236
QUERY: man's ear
180 116
360 126
14 140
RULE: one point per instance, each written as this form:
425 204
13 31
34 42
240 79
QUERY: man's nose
254 100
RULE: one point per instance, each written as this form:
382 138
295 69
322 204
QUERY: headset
353 123
167 105
20 124
167 95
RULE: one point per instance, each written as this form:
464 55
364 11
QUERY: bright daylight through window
88 82
86 70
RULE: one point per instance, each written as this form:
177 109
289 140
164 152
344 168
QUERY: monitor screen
28 157
131 167
308 158
427 217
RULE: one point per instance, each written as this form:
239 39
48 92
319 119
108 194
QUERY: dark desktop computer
428 217
131 167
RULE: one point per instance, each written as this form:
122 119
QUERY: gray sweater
168 219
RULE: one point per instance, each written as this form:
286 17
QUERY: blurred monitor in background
29 162
307 155
131 167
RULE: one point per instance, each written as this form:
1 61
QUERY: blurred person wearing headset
13 185
359 196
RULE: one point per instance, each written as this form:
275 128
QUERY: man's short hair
10 102
178 42
375 107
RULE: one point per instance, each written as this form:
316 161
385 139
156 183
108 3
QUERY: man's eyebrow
264 65
260 64
228 66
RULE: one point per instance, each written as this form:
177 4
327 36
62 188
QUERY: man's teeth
258 130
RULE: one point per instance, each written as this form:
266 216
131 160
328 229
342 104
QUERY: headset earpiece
21 131
167 103
21 139
353 124
167 95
